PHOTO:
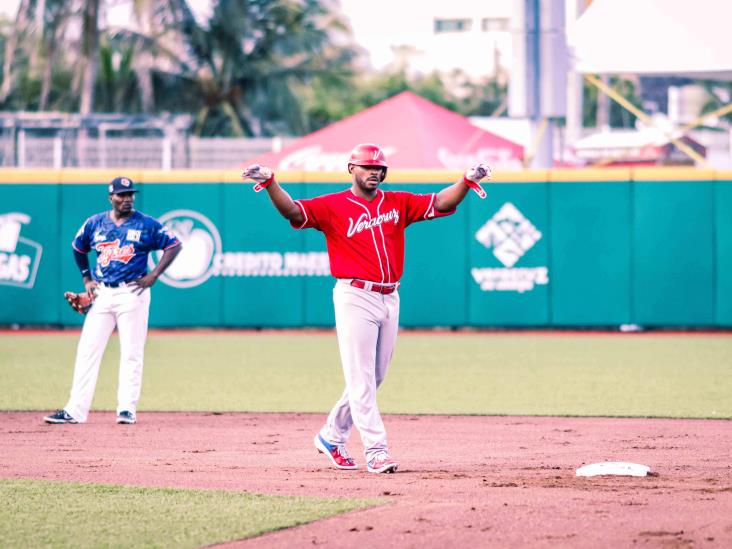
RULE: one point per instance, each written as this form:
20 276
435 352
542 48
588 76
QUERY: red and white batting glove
261 175
473 176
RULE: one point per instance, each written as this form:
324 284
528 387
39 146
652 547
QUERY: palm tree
35 47
53 34
247 63
242 72
55 16
89 55
117 82
157 42
23 16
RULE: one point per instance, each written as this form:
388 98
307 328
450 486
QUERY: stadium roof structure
654 38
413 132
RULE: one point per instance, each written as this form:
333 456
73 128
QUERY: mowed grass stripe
39 513
491 374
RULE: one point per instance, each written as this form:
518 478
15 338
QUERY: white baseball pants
129 312
367 323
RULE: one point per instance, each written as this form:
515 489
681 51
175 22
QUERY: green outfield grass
598 375
57 514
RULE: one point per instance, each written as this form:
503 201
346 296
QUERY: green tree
55 18
52 38
326 102
117 82
486 99
249 61
158 43
11 44
15 56
89 59
720 95
38 57
137 59
619 116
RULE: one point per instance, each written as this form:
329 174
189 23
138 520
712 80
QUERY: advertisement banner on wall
534 253
20 257
508 273
508 234
204 255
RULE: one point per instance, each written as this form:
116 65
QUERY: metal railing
23 149
61 140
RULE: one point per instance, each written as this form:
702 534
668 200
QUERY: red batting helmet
368 154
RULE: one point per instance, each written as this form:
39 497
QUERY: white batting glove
258 173
474 175
479 172
261 175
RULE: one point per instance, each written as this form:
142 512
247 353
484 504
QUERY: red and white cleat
382 463
336 452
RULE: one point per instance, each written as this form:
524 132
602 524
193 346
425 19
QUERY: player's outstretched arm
449 198
265 179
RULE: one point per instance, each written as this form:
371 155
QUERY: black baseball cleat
126 417
60 417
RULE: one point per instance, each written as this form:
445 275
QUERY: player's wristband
475 186
264 184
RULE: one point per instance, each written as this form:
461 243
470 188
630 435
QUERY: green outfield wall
563 248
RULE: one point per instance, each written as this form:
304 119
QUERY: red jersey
366 239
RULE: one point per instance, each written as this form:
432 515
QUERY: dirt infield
462 481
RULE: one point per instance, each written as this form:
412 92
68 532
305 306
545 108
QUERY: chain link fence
47 140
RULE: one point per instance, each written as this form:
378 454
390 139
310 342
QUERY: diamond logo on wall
509 233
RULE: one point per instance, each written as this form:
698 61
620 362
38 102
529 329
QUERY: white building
425 36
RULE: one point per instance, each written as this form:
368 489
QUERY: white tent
654 38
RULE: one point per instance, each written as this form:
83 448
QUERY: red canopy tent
413 132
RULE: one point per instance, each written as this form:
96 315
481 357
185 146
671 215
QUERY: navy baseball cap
122 185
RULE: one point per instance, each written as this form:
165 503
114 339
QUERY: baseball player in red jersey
364 232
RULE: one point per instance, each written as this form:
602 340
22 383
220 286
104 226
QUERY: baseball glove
81 302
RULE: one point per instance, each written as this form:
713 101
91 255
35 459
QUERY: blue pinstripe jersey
122 250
